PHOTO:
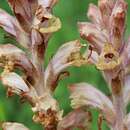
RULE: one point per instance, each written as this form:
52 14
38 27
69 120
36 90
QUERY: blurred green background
70 12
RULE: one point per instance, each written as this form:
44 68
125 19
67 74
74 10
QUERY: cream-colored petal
15 82
13 126
11 54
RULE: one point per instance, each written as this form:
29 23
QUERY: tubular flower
107 50
83 94
105 34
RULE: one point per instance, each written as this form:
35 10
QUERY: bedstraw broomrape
109 52
32 25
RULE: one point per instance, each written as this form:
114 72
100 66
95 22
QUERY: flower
83 94
105 36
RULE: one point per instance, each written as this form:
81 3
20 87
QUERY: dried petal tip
47 111
48 119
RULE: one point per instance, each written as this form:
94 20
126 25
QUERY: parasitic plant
109 52
32 25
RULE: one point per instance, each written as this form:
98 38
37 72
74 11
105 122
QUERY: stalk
118 103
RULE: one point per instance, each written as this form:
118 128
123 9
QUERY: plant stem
118 103
40 68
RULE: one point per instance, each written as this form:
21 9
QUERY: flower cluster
109 52
32 25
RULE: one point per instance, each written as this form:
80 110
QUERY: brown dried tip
48 119
9 92
100 121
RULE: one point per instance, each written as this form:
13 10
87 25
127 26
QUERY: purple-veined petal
117 23
10 25
10 52
67 55
36 37
84 94
8 22
13 126
75 119
24 10
12 57
38 48
125 56
47 3
94 14
106 7
93 34
15 82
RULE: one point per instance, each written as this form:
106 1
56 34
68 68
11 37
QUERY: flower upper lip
107 57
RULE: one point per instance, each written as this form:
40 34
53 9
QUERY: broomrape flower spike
31 26
109 52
